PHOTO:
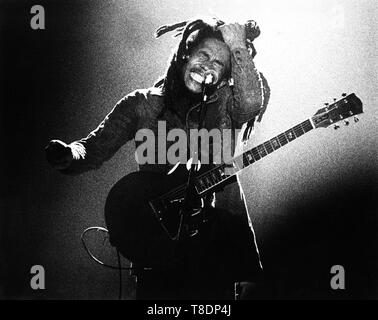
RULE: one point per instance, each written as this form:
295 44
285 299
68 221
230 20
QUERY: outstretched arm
118 127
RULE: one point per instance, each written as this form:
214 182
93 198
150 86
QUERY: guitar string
305 126
302 126
307 123
256 148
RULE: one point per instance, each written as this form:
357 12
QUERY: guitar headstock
346 107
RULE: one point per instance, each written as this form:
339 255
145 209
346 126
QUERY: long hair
193 33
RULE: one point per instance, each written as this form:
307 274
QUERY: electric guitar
142 210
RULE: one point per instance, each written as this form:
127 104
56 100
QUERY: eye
218 63
203 55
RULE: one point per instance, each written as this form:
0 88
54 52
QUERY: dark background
314 204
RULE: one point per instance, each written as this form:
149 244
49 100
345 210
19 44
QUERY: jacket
229 107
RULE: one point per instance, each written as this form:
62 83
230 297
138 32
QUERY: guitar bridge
167 212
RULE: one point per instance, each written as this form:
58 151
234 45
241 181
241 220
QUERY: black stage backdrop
313 204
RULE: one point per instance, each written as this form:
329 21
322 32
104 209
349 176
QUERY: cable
119 268
93 257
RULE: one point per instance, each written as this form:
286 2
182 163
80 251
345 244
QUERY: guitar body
133 224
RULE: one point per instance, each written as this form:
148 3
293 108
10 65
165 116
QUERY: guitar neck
208 181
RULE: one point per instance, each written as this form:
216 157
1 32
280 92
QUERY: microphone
210 78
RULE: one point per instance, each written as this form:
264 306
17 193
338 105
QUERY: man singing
224 252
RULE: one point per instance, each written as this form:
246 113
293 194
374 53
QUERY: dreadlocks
193 32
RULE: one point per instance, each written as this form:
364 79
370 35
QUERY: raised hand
234 35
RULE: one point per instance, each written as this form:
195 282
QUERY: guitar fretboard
219 174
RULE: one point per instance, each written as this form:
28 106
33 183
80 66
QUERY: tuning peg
336 126
326 104
334 99
356 119
346 122
344 95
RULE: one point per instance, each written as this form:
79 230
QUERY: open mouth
197 77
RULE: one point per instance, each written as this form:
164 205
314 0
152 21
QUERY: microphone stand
190 192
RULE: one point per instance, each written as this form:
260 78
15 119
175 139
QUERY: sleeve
118 127
250 89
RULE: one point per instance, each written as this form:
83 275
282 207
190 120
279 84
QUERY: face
211 55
